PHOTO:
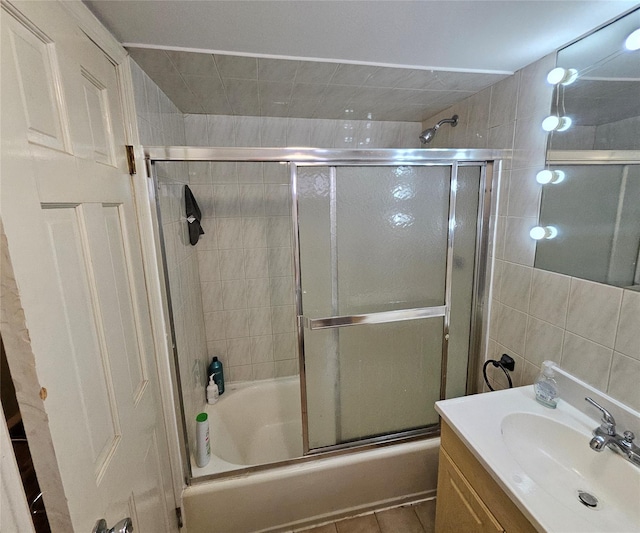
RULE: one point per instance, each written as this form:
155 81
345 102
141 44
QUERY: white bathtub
260 422
254 423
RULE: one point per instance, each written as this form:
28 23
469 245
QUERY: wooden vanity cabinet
469 499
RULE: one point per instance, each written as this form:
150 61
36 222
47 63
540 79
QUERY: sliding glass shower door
377 267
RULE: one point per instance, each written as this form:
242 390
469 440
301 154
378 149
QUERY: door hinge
179 517
131 160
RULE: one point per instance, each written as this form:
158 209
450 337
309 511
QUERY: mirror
589 224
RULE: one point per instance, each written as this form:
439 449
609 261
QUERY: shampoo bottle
216 369
212 391
546 387
203 447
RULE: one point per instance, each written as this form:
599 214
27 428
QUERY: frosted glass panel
462 277
391 235
372 239
388 378
389 229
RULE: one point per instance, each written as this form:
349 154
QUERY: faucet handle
608 422
628 436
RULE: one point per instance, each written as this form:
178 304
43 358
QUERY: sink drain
587 499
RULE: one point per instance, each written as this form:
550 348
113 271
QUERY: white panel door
69 217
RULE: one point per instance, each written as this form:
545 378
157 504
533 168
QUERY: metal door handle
124 526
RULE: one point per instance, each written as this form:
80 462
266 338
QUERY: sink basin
558 459
541 457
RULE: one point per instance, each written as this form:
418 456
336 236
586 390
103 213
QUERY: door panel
72 234
372 240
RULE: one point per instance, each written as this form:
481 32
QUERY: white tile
226 200
259 321
231 263
239 351
264 371
273 131
529 144
593 311
196 130
236 323
241 373
252 200
550 296
628 333
261 349
510 328
250 173
543 343
256 262
535 94
277 199
276 173
209 265
211 296
280 261
299 131
254 232
234 294
282 292
221 130
229 233
283 319
516 286
278 231
524 193
586 360
504 96
214 326
258 292
625 379
288 367
519 247
284 346
248 131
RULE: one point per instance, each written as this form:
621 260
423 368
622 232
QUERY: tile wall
591 330
246 255
161 123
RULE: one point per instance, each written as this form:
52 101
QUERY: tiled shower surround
590 329
246 254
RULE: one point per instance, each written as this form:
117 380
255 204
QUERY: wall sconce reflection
633 41
543 232
555 123
547 176
563 76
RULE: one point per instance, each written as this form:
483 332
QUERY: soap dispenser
546 387
212 391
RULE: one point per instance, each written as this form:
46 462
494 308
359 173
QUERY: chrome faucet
605 436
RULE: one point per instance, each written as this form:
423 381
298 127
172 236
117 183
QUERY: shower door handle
382 317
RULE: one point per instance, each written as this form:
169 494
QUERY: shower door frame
489 162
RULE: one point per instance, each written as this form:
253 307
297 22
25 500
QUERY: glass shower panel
372 239
462 278
391 236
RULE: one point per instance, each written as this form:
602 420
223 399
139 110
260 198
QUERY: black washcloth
193 216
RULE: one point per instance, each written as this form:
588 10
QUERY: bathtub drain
587 499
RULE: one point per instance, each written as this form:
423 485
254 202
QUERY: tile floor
416 518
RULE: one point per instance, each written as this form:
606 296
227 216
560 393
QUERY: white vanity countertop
554 507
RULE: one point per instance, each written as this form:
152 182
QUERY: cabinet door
458 507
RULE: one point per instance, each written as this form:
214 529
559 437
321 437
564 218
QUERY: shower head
427 135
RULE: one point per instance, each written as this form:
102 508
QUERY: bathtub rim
426 434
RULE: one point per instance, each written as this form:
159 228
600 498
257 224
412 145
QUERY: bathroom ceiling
373 59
